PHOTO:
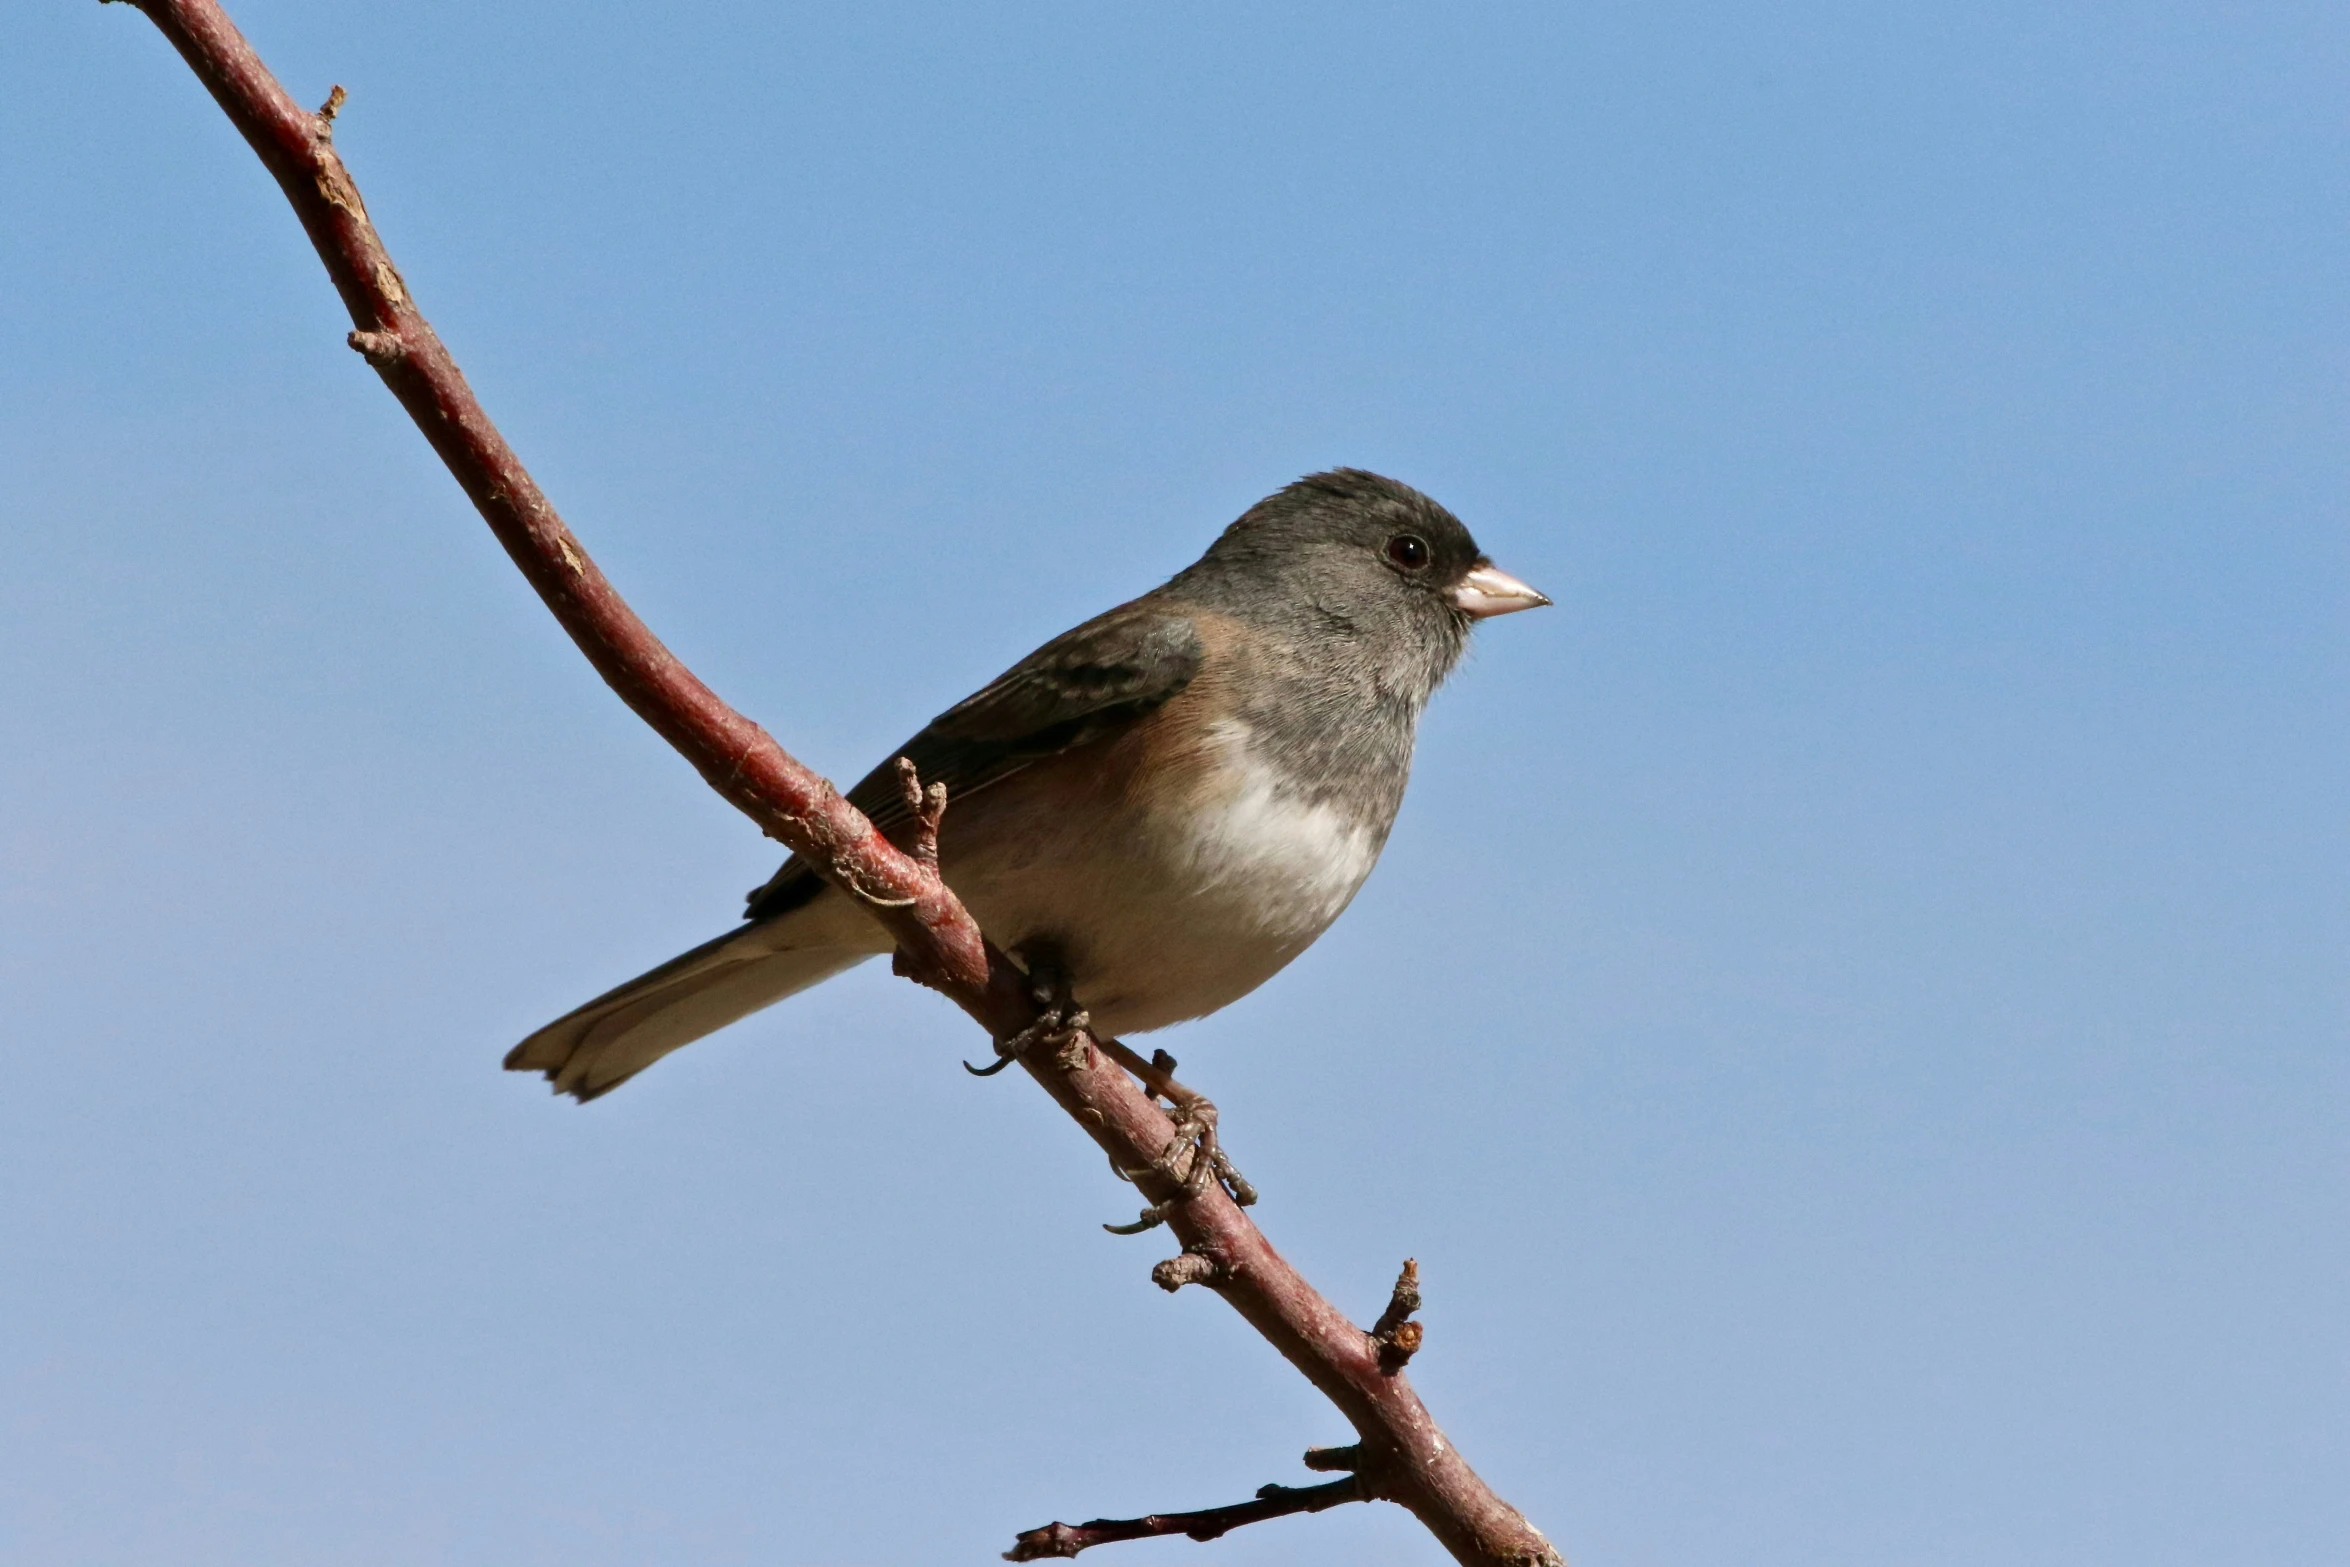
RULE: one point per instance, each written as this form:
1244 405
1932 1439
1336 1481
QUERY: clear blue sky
1852 1019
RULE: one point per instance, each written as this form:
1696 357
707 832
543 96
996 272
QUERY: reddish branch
1401 1456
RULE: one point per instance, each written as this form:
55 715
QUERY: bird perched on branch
1168 803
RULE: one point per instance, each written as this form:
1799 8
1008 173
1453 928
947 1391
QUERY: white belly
1177 906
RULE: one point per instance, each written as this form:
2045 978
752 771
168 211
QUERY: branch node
1190 1267
1055 1540
380 349
1396 1337
1398 1348
332 107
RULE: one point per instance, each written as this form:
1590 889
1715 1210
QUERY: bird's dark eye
1408 550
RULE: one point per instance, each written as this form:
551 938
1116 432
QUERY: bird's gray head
1352 557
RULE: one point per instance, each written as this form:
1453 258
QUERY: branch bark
1401 1455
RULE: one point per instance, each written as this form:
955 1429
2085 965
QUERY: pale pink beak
1488 591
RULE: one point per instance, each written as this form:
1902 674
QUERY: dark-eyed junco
1174 799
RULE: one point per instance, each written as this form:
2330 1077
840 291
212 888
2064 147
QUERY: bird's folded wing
1082 687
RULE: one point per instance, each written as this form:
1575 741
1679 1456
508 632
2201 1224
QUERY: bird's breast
1240 837
1174 875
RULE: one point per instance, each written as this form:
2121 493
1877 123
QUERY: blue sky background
1851 1021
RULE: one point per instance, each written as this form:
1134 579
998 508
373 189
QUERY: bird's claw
1193 1158
1065 1028
1059 1021
1152 1217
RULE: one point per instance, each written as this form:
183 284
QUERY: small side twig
1274 1501
380 349
1183 1268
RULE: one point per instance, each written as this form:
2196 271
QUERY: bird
1167 804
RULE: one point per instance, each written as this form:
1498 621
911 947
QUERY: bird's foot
1194 1157
1060 1021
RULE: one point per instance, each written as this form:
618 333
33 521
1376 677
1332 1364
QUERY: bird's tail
595 1048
